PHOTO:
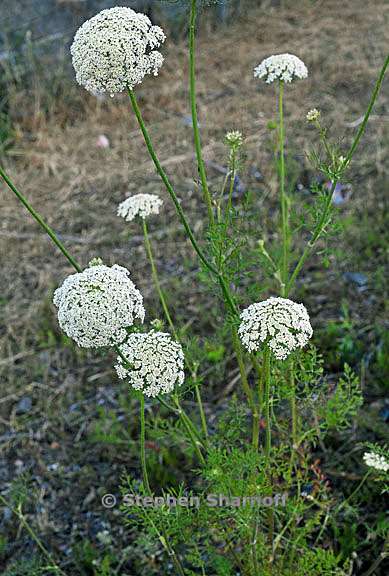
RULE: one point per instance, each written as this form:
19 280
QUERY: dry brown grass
77 185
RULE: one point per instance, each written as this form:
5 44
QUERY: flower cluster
97 305
154 363
376 461
278 322
313 115
142 205
234 139
115 50
285 67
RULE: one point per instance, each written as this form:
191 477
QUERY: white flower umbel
285 67
278 322
97 305
234 139
313 115
115 50
155 363
142 205
376 461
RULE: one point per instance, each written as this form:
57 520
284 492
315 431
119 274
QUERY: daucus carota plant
257 447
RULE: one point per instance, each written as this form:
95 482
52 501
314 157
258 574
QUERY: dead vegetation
59 164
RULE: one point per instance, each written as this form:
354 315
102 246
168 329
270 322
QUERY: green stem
341 505
267 378
293 406
172 553
255 434
196 131
183 415
242 368
323 220
361 483
156 279
373 98
232 182
260 374
283 198
39 219
195 433
258 408
228 298
255 410
220 199
142 444
177 204
254 548
170 322
18 512
201 409
193 437
315 236
164 539
168 185
226 293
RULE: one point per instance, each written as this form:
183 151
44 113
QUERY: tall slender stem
196 131
39 219
327 207
168 185
142 444
19 513
254 547
157 283
267 378
195 441
255 430
293 408
283 198
182 414
242 368
163 537
315 236
373 98
172 553
293 404
201 409
225 290
258 407
232 181
171 324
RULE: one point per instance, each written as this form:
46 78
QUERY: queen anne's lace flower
278 322
115 50
285 67
376 461
142 205
234 139
97 305
313 115
155 363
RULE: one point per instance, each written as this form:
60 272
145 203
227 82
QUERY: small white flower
97 305
278 322
376 461
234 139
155 363
142 205
115 50
285 67
313 115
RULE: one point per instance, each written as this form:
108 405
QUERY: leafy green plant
259 501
